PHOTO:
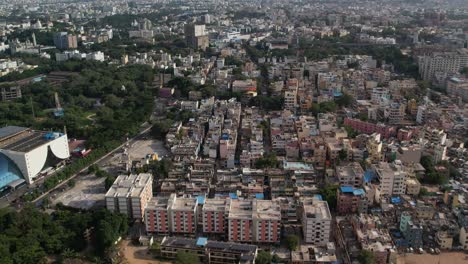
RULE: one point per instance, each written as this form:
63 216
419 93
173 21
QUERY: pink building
214 213
351 200
370 128
254 221
177 215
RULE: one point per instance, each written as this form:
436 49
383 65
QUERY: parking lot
88 192
140 148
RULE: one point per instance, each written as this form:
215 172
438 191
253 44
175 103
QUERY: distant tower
34 39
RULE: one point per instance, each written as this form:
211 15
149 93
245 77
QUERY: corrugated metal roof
10 130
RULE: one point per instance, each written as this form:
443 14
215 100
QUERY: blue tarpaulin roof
318 196
347 189
201 199
201 241
259 196
359 192
233 196
396 200
368 175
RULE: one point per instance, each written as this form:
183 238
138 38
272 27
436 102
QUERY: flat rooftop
22 139
129 186
216 205
314 208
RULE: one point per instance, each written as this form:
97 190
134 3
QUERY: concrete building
174 215
442 64
351 200
214 214
411 231
254 221
130 195
350 175
63 40
24 153
463 237
10 93
196 37
392 178
458 87
316 221
211 252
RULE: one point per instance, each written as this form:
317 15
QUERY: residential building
463 237
351 200
214 214
130 195
63 40
350 175
392 178
316 221
175 215
254 221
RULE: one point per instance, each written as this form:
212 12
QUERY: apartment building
130 195
351 200
214 214
392 178
442 63
316 221
254 221
350 175
175 215
458 87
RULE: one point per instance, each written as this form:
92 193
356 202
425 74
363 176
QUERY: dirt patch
449 257
137 254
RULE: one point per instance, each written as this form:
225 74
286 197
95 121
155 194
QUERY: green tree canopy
186 258
263 257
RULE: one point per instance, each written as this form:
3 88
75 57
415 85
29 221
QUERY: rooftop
21 139
129 185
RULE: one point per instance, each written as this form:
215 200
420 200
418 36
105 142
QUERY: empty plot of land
140 148
449 257
88 192
137 254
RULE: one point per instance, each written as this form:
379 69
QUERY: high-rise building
442 64
196 37
254 221
316 221
63 40
214 213
130 194
175 215
392 178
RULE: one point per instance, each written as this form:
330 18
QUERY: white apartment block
130 194
316 221
442 63
392 178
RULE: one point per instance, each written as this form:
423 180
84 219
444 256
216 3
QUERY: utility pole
32 107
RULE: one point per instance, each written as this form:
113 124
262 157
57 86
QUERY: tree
268 160
276 259
263 257
423 192
292 242
160 129
366 257
186 258
345 100
329 194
